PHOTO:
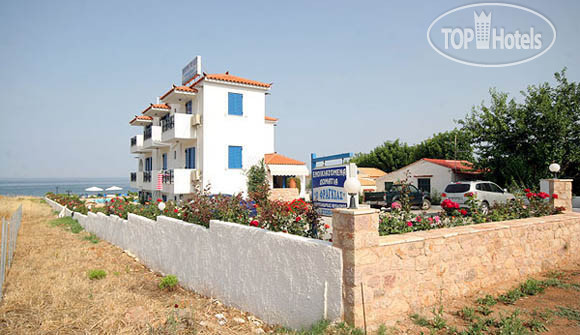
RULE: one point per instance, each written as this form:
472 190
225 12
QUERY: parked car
393 194
486 192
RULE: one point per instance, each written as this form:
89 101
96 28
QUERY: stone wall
284 194
408 273
255 270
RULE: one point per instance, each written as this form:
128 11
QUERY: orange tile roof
232 79
455 165
158 106
371 172
277 159
141 117
269 118
180 88
366 181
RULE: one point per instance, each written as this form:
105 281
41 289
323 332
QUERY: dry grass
48 290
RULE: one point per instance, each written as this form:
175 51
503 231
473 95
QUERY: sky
348 75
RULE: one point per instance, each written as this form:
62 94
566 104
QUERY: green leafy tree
454 144
258 186
516 142
393 155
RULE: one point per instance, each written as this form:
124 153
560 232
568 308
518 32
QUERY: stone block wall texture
408 273
563 188
284 194
283 279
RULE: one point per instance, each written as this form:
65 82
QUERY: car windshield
457 188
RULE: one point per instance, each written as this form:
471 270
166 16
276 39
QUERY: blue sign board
328 188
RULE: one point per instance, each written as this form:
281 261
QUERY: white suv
486 192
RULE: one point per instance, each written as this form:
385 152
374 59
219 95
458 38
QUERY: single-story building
431 175
281 173
368 178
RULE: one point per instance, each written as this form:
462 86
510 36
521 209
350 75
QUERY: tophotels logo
491 35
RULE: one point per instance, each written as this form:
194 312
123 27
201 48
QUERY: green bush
97 274
168 282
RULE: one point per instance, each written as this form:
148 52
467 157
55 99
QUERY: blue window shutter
193 158
164 161
235 103
234 157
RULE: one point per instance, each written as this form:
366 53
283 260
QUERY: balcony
137 144
180 127
136 180
152 137
180 181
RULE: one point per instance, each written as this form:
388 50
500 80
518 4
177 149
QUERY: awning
288 170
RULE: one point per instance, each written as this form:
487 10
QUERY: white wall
441 175
281 278
221 130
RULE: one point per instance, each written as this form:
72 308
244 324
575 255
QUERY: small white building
207 133
431 175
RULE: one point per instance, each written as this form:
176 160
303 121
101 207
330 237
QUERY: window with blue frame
188 109
234 157
190 158
164 157
235 104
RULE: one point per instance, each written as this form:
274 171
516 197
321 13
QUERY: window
190 158
164 157
495 188
235 104
424 184
457 188
148 164
234 157
188 109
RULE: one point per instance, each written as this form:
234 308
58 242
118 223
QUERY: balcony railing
147 176
147 133
167 177
133 141
133 176
167 122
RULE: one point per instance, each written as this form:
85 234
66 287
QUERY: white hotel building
208 134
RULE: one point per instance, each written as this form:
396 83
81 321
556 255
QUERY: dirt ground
544 308
48 291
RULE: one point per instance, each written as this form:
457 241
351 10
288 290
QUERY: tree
394 155
454 144
516 142
388 157
258 186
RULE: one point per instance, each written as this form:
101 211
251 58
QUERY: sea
40 186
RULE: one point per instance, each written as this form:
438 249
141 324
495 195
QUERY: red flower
112 200
463 211
410 224
326 226
175 210
529 195
527 190
176 306
254 223
255 205
418 219
554 196
159 200
543 195
298 219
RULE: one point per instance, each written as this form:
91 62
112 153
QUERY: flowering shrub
295 217
527 204
72 202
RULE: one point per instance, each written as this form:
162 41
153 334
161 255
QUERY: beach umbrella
94 189
114 188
